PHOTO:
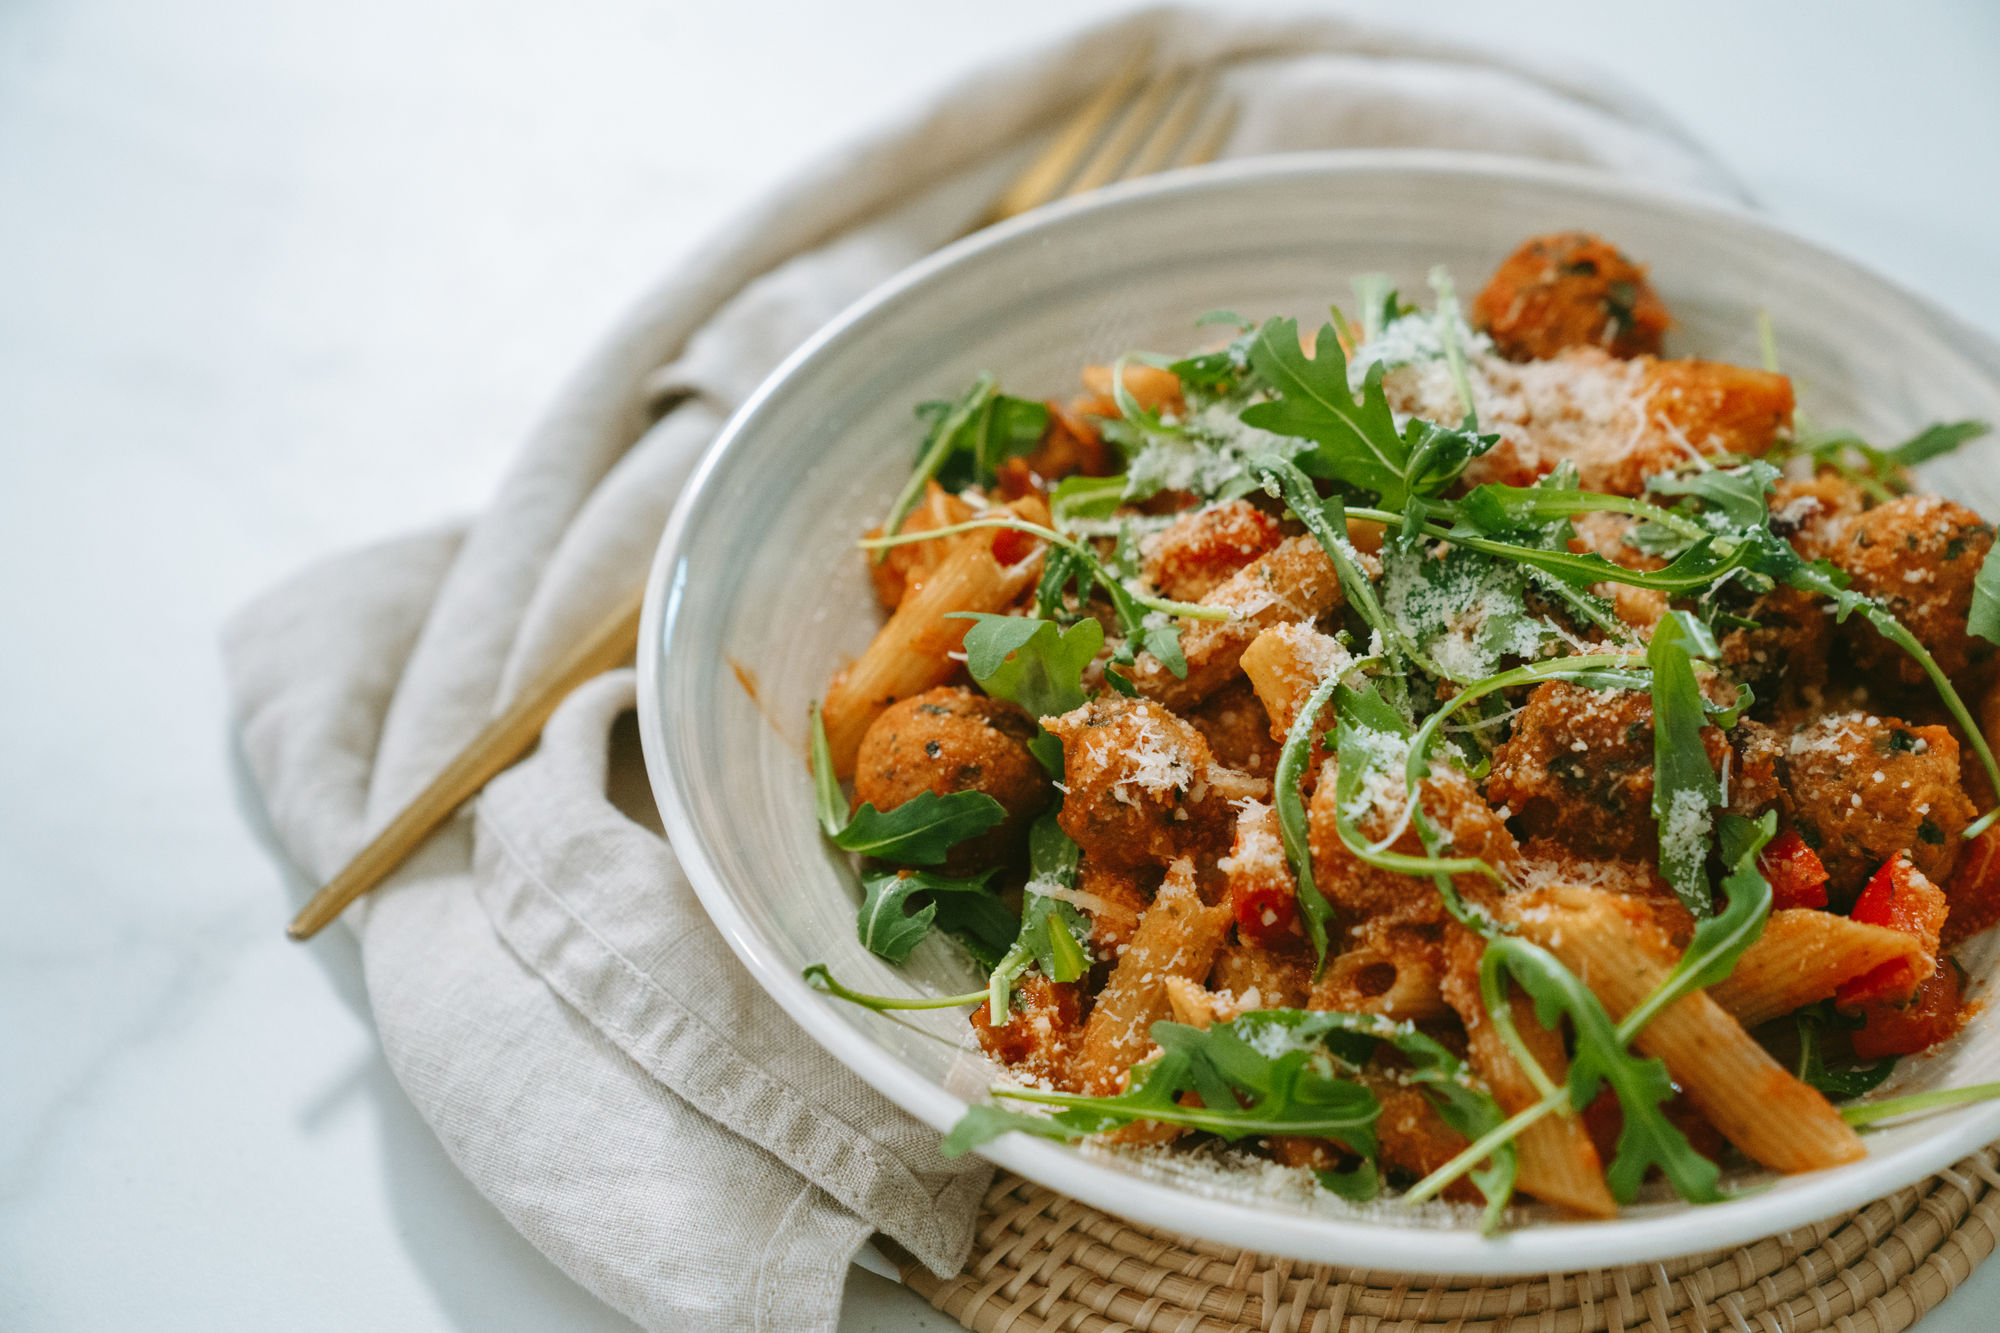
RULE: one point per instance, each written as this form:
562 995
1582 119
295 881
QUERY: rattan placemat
1042 1263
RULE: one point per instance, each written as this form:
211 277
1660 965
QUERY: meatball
1860 788
1378 897
1918 555
1144 788
1237 729
1711 408
954 739
1811 513
1570 289
1789 642
1042 1033
1187 559
1578 768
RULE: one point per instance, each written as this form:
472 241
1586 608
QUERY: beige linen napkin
548 989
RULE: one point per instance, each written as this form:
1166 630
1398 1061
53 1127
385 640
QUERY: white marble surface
278 277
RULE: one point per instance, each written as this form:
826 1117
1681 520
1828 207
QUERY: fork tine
1043 180
1138 119
1205 144
1157 151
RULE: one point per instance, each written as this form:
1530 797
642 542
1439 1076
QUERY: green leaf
1719 941
952 430
1085 497
1003 428
1935 441
820 978
889 927
1052 933
1293 829
1034 663
1648 1138
983 1123
1247 1087
1737 493
830 804
1685 787
1842 1082
1359 1184
1358 442
1984 618
922 830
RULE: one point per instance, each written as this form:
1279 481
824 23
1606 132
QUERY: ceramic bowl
758 570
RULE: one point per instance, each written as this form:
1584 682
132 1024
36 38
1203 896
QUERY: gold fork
1135 125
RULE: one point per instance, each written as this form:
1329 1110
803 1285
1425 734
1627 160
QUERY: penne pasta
1295 582
1756 1104
1177 937
912 652
1802 957
1558 1162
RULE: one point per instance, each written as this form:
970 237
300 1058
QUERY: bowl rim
1356 1242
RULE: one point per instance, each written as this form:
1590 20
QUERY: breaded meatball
1811 513
1124 895
1578 768
1200 549
1373 895
1570 289
1860 788
953 739
1714 408
1789 643
1917 554
1144 787
1237 729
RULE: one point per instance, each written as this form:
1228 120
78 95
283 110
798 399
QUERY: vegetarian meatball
1860 788
954 739
1788 643
1917 554
1570 289
1578 768
1144 788
1812 513
1377 896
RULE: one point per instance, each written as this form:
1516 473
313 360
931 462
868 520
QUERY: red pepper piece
1265 910
1796 876
1900 898
1906 1029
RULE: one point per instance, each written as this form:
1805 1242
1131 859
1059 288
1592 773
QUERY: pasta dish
1454 751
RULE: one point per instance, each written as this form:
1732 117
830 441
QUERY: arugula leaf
1224 371
1085 497
1935 441
1034 663
1293 829
1358 1184
890 929
1357 439
1984 619
1719 941
1848 1080
1737 493
1243 1091
827 800
1648 1138
820 978
922 830
1685 787
1326 520
948 434
1003 428
1053 933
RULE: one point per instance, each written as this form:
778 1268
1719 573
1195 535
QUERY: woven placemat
1042 1263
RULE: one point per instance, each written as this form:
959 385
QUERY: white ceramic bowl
758 567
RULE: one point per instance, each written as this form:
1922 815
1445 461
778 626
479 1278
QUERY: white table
280 277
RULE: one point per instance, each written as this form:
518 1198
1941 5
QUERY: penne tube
1802 957
1295 582
911 653
1756 1104
1558 1162
904 565
1285 664
1401 985
1177 937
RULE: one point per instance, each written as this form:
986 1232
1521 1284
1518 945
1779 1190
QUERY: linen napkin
547 986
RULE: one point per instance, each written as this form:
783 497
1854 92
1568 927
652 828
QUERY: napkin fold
548 989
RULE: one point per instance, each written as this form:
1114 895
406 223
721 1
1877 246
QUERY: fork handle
498 745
